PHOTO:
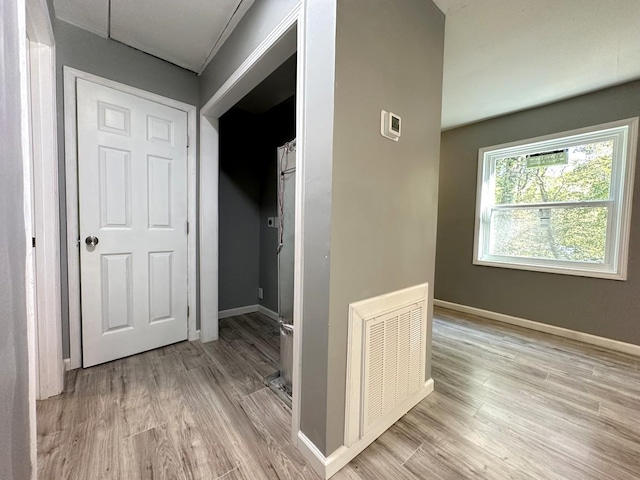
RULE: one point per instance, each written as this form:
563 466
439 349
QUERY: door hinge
188 311
187 228
33 242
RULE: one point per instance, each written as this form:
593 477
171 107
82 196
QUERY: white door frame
39 157
278 46
71 166
44 147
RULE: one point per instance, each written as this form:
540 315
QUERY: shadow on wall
247 197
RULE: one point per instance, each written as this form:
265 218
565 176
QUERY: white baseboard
602 342
312 455
269 313
232 312
326 467
195 336
67 364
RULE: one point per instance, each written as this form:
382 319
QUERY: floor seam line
227 473
414 452
143 431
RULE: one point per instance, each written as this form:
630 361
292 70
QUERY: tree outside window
559 203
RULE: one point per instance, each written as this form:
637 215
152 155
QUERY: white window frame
625 135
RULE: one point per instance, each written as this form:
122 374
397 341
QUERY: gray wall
376 202
385 194
268 277
106 58
247 197
258 22
607 308
239 206
319 97
15 461
279 126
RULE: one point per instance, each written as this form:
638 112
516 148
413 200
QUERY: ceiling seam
208 57
109 19
134 48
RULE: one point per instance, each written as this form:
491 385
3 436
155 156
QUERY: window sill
579 272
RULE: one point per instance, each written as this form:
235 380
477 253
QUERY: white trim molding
39 26
46 225
71 163
36 51
588 338
268 313
232 312
271 53
47 220
326 467
22 91
298 274
313 455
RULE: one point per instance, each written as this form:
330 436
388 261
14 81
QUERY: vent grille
394 362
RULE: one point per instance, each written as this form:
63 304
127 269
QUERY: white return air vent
386 361
394 351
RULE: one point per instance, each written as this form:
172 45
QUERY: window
559 204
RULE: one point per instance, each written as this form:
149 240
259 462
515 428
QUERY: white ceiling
186 33
503 56
500 56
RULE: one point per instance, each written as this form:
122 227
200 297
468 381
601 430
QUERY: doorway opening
281 44
257 219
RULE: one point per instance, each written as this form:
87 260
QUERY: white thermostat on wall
390 125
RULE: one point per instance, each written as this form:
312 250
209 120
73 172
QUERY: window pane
584 175
570 234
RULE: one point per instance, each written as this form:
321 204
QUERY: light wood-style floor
508 403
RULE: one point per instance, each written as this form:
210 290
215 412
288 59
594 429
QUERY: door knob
91 241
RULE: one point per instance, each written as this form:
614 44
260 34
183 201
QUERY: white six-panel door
132 184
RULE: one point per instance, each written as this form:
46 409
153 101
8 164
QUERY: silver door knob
91 241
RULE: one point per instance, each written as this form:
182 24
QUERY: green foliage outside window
573 232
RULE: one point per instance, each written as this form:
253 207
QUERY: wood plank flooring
508 403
